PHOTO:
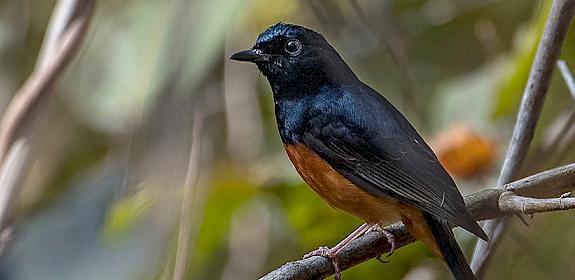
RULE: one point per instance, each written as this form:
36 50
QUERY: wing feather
399 169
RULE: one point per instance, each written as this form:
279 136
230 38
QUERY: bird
355 149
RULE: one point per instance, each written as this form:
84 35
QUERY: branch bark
547 54
533 194
61 42
510 203
48 68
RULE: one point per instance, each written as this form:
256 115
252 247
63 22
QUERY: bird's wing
401 166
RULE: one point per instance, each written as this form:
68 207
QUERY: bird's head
292 56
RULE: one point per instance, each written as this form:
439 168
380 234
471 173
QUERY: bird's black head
296 59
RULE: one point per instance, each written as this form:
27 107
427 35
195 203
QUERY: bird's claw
327 253
390 240
322 251
379 259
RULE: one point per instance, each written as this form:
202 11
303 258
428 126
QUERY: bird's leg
332 253
390 240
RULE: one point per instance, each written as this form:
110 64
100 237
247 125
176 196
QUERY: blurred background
155 157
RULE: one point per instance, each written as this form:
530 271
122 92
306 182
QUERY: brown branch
59 46
483 205
547 54
43 77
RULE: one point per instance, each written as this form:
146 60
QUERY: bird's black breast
324 112
290 117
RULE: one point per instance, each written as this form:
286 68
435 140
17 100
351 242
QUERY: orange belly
339 192
342 194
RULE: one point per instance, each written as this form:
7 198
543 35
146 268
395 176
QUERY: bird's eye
293 47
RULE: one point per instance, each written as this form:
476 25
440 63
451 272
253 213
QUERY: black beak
252 55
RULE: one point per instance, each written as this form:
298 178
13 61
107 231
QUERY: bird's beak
252 55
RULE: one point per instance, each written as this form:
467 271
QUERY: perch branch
547 54
487 204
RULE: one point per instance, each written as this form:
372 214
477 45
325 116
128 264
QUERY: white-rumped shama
354 148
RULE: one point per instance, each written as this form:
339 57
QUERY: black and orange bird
355 149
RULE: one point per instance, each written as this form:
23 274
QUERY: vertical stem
567 76
547 54
185 231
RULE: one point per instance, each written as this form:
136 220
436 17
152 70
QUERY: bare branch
511 203
10 175
486 204
550 183
547 54
190 184
567 76
59 46
366 247
59 22
42 78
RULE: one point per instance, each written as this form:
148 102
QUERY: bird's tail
449 248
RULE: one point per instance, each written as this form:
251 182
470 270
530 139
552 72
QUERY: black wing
389 158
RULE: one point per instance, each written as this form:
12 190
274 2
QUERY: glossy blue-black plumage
305 73
321 104
366 139
279 30
354 128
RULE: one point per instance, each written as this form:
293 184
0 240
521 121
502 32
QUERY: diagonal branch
520 196
48 69
547 54
61 42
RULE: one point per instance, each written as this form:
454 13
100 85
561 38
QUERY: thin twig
547 54
184 233
510 203
481 205
59 23
567 76
10 175
556 133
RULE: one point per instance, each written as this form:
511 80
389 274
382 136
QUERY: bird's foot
390 240
329 254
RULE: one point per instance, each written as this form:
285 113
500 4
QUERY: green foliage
126 213
227 194
126 102
513 83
